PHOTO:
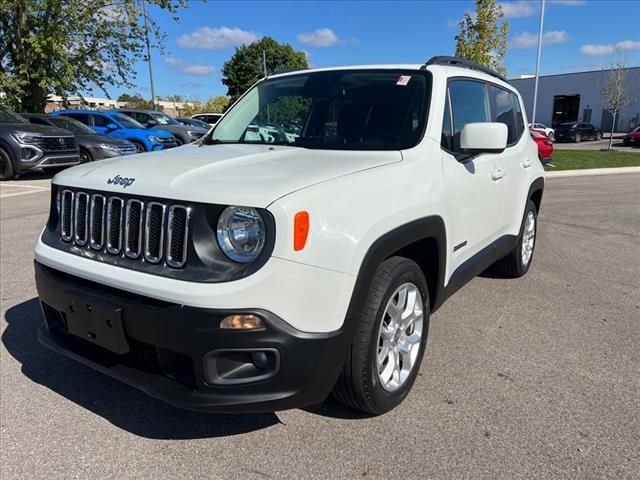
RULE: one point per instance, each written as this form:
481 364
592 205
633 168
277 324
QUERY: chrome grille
96 221
177 234
133 228
129 227
66 215
81 215
115 210
154 232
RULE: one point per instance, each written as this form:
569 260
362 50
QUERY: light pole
146 32
535 87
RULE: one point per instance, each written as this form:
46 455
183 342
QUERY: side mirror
484 137
112 126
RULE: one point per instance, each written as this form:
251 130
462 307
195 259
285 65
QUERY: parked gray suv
158 120
25 147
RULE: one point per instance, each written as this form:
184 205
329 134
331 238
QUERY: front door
475 199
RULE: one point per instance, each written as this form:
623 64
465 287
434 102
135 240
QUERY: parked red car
632 139
545 146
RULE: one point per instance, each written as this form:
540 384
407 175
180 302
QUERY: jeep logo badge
124 181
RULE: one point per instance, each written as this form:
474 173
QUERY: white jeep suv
257 273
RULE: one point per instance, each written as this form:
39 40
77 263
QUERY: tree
483 39
245 67
135 101
615 91
67 47
213 105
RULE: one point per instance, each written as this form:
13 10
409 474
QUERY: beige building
55 102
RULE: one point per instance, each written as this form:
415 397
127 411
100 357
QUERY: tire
516 263
364 383
85 156
7 171
599 136
578 138
179 142
140 148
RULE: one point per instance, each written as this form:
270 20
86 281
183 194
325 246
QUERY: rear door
515 160
475 198
100 123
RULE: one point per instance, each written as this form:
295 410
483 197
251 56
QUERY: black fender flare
536 185
424 228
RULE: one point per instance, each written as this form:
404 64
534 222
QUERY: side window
447 129
502 111
468 105
38 121
81 117
101 121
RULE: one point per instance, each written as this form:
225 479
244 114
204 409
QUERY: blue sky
579 35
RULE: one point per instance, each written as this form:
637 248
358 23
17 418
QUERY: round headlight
241 233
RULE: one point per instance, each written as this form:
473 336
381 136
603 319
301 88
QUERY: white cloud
199 69
526 39
596 49
322 37
189 68
215 38
592 49
569 3
519 9
628 45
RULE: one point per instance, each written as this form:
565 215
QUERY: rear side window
101 121
469 104
502 111
81 117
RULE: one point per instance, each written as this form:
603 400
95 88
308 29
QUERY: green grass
579 159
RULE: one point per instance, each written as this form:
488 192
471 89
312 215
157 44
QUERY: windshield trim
209 140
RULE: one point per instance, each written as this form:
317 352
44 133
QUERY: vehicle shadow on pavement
123 406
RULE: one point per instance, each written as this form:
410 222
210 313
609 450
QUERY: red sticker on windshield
403 80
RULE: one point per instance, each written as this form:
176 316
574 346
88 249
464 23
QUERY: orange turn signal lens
241 322
300 230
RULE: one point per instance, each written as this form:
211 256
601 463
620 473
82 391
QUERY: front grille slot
81 216
96 219
115 213
133 228
177 233
66 213
56 143
154 232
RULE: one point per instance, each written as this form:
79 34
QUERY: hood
248 175
33 128
179 128
98 138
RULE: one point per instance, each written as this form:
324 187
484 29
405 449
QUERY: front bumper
169 349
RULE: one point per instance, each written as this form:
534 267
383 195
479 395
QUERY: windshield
9 117
126 122
164 119
72 125
346 109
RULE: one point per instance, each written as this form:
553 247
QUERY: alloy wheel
399 336
528 239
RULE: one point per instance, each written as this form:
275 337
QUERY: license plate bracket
97 322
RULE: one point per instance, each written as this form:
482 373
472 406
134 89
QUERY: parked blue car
116 124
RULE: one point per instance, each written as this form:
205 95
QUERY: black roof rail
280 70
461 62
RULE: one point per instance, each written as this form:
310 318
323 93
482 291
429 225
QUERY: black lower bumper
175 353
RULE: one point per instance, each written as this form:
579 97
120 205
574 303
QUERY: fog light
241 322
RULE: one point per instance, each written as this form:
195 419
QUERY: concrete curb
592 171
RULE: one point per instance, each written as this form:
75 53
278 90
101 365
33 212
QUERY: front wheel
85 156
517 263
578 138
6 166
140 148
599 136
390 339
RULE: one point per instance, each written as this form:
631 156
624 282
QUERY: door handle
497 174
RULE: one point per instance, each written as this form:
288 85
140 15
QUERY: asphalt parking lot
531 378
